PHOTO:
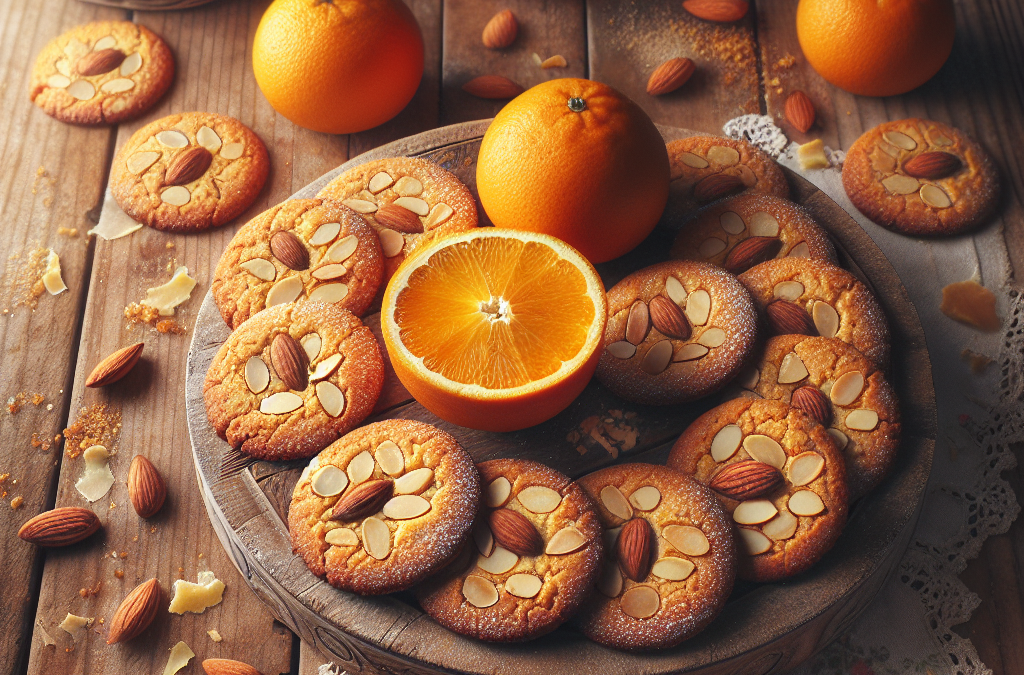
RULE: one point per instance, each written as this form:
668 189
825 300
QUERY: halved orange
495 329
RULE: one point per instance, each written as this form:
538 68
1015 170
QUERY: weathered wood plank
53 178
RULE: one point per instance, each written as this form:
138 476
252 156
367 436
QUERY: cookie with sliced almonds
779 476
292 379
535 556
840 388
740 232
103 72
189 171
803 296
921 177
669 558
407 200
676 331
705 169
384 507
300 250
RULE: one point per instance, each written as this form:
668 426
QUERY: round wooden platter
764 628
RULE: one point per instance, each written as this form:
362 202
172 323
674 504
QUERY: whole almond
748 479
634 549
146 487
722 11
290 361
363 500
492 86
932 165
813 402
501 30
800 111
188 165
668 318
716 186
287 248
228 667
115 366
60 527
513 531
788 318
399 218
751 251
97 63
135 612
670 75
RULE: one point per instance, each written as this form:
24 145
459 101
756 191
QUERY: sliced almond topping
341 250
754 511
898 184
826 319
610 582
801 250
331 398
781 527
900 140
117 86
499 562
675 291
698 307
765 449
935 196
640 602
847 388
723 155
689 352
637 323
566 540
726 442
326 233
749 378
806 503
360 468
380 181
360 205
331 271
328 481
131 64
391 243
176 195
479 592
861 420
657 358
693 161
414 204
81 89
405 507
390 458
311 344
208 138
788 290
615 502
805 467
285 290
711 247
672 568
539 499
763 224
840 438
792 369
622 349
280 403
483 539
732 222
712 337
325 367
687 539
172 139
329 293
523 585
232 150
645 498
341 536
439 214
407 186
58 81
498 492
141 161
376 538
752 542
260 268
415 481
257 374
106 42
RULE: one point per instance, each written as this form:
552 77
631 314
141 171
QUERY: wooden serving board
764 628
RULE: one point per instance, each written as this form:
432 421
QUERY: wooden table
54 176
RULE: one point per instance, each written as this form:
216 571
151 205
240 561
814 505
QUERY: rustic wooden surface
54 175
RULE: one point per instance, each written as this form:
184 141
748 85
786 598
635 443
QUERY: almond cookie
921 177
779 476
189 171
101 73
706 168
801 296
535 557
293 379
407 200
738 233
384 507
841 389
669 561
300 250
676 331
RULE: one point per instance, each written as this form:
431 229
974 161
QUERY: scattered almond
723 11
135 612
492 86
115 366
800 111
62 526
501 30
228 667
146 488
670 75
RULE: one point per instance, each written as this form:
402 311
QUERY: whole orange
577 160
338 66
876 47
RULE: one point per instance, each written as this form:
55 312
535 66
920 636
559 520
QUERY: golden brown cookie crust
861 321
721 336
145 63
566 578
869 453
877 181
688 156
713 235
429 186
236 173
234 410
796 433
240 292
685 605
419 546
